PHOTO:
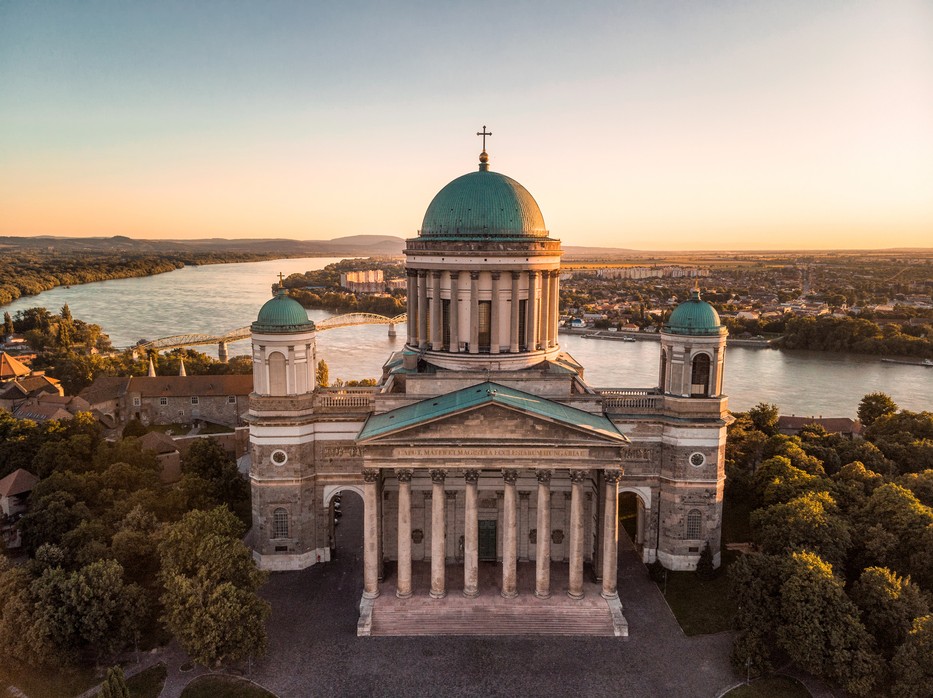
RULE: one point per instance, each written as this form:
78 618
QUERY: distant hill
351 246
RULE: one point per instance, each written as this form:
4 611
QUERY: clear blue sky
653 125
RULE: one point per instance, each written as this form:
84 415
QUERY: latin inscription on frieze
503 452
638 455
341 452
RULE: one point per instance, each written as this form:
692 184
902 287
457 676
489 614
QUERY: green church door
487 540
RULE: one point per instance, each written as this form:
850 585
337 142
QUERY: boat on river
926 362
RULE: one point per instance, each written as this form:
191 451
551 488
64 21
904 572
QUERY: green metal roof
282 314
477 395
695 317
482 205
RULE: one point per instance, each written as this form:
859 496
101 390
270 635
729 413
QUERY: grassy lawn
176 428
36 683
147 683
223 687
211 428
701 607
771 687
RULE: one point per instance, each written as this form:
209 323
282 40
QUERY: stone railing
631 400
345 399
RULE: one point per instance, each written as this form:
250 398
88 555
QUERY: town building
15 489
218 399
483 445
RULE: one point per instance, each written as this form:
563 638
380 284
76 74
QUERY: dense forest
859 336
117 559
841 578
28 272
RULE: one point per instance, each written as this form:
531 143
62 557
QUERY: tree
705 569
210 580
322 374
115 684
875 405
207 459
820 628
765 417
889 604
7 324
134 428
810 521
913 663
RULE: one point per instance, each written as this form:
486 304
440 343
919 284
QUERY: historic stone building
483 441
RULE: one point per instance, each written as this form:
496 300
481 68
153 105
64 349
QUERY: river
219 297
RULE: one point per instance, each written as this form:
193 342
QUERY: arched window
280 523
700 380
277 382
694 525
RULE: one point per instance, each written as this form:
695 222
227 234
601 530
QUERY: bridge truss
178 341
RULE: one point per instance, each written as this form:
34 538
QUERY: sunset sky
652 125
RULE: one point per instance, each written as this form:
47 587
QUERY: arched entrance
344 506
633 517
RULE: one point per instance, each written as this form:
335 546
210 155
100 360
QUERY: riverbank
627 336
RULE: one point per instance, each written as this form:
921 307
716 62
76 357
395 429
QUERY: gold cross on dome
484 133
281 279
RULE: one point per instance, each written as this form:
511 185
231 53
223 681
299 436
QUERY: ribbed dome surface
694 317
282 314
483 204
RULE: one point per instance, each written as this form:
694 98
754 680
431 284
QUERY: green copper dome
483 204
282 314
694 317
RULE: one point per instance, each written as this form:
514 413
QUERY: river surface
215 298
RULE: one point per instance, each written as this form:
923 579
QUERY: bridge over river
178 341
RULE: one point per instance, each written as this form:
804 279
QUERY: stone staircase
491 616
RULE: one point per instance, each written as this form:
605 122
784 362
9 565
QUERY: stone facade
482 441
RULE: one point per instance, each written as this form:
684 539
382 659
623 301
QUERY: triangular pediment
490 413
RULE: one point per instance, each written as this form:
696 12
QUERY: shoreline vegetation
32 273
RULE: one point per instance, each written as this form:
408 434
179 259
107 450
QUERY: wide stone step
432 618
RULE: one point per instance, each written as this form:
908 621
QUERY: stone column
610 532
471 535
370 534
411 295
403 587
514 340
575 587
531 318
474 312
455 311
523 527
554 310
438 535
494 340
543 543
509 537
545 303
422 309
437 332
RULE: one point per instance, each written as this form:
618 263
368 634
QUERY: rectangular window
485 313
231 399
163 401
445 322
136 402
522 316
194 399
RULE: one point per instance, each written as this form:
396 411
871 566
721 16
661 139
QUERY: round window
279 457
697 459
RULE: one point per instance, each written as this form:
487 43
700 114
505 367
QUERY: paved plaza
314 650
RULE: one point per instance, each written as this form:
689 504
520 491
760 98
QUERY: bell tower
282 472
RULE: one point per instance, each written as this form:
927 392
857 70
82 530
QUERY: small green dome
695 317
483 204
282 314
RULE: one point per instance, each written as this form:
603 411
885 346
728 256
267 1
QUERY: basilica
482 444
